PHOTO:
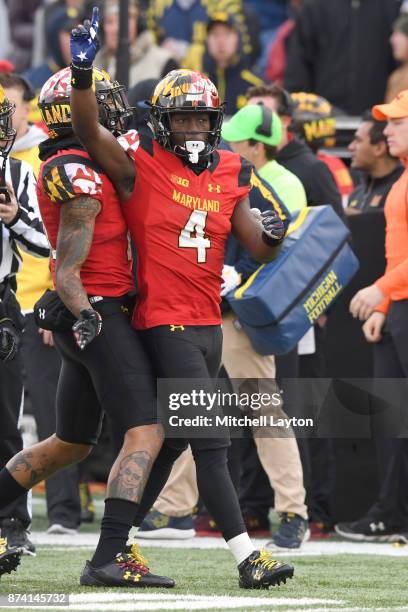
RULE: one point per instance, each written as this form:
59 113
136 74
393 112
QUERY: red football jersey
107 271
180 222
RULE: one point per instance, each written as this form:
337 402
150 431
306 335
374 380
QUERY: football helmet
180 91
314 120
7 132
55 106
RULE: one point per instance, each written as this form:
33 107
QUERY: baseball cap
397 109
222 17
254 121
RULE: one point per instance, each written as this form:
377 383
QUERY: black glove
87 327
9 339
272 225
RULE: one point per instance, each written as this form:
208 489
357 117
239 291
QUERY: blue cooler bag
282 299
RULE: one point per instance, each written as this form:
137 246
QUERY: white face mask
193 148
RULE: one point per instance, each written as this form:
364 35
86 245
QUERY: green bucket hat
254 121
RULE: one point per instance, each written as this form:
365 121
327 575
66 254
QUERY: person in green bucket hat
255 132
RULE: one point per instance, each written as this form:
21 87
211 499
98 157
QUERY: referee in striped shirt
20 227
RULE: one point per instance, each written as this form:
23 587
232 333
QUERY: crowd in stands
298 64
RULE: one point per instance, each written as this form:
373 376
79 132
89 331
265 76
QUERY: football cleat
17 536
127 569
260 571
9 557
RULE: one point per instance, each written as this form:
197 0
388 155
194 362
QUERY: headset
287 105
265 128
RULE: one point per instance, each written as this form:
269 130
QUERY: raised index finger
95 20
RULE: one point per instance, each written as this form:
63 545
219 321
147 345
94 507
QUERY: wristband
81 78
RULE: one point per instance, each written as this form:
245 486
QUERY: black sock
116 523
10 489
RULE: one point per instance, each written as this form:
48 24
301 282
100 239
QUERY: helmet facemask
184 91
192 150
115 113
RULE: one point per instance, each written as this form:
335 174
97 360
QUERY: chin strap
193 148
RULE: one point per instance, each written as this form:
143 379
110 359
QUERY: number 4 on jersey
192 235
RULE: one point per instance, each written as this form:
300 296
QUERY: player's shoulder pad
70 176
130 142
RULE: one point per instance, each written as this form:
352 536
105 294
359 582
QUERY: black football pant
193 352
11 443
42 366
391 361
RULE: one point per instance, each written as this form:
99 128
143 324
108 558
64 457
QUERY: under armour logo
212 188
41 313
377 526
174 327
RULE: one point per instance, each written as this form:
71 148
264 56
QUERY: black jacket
372 192
315 176
340 49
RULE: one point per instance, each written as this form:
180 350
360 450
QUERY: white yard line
102 601
311 548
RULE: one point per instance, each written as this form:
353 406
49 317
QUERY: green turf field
207 580
356 581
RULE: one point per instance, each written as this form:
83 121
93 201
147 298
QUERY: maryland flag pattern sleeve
130 142
69 177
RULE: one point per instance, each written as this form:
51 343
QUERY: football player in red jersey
181 198
104 366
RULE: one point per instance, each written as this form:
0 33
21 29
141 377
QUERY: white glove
231 279
272 225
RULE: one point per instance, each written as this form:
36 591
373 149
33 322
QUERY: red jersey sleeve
65 181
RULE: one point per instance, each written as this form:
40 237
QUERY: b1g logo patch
178 180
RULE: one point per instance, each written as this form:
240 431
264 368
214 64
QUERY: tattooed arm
77 222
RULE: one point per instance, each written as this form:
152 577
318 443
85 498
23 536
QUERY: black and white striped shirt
27 231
